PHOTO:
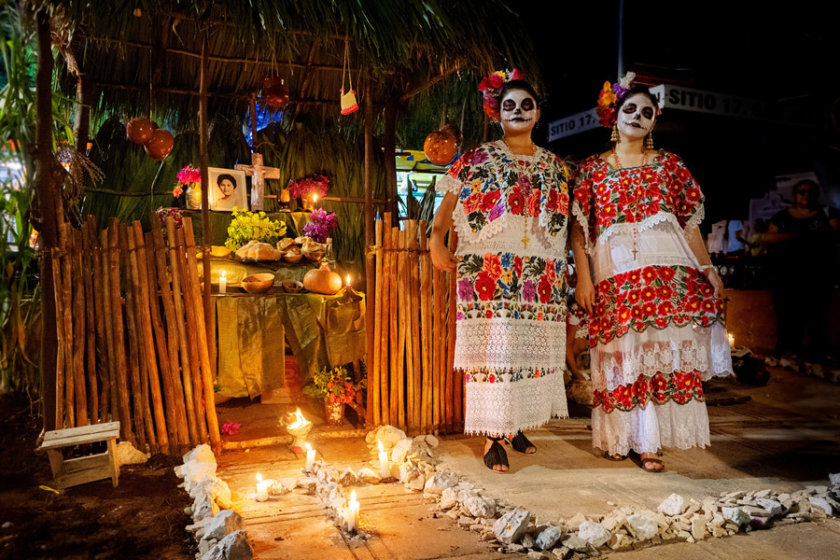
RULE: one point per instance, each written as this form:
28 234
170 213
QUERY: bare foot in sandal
651 462
494 455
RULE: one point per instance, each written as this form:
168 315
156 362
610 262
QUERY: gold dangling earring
649 142
614 135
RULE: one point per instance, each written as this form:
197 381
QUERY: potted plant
336 388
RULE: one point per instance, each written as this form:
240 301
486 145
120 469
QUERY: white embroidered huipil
511 220
657 330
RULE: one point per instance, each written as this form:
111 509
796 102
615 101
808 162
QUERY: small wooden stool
81 470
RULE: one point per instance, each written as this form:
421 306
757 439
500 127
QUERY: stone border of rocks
808 369
511 529
216 527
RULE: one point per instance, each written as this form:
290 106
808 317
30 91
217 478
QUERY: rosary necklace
635 230
524 171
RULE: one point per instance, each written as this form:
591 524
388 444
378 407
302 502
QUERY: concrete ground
785 437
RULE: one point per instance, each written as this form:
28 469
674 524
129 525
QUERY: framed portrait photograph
227 189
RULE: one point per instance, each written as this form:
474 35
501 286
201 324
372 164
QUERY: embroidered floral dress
511 219
657 330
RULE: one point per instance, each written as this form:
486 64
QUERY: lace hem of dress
484 343
646 430
577 213
696 219
493 408
639 227
448 184
689 348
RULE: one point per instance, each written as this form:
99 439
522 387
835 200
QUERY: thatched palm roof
130 50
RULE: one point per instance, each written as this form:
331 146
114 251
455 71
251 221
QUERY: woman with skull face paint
509 203
656 326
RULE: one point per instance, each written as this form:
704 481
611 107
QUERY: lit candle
384 466
222 283
731 340
348 280
314 199
310 458
262 488
353 512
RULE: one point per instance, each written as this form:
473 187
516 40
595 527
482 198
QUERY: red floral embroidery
680 386
493 266
485 286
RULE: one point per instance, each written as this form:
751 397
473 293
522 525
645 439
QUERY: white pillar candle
353 513
731 340
262 488
384 466
222 283
310 458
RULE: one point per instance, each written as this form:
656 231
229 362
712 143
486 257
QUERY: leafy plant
333 386
250 226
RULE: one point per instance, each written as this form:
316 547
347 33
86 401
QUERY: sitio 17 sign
573 124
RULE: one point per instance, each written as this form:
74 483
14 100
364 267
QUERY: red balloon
139 130
160 144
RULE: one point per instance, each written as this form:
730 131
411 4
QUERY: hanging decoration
139 130
275 92
348 100
441 146
160 144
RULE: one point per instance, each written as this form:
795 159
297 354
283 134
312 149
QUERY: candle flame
353 496
380 446
314 198
224 272
308 447
348 279
731 338
259 477
299 422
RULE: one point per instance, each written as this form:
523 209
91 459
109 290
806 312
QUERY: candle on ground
310 458
731 340
262 488
222 283
384 466
353 512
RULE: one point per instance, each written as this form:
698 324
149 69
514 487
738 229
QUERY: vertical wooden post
375 327
395 369
45 186
66 240
371 355
389 145
79 331
385 319
87 255
204 159
121 373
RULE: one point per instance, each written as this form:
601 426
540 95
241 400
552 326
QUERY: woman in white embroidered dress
509 201
656 320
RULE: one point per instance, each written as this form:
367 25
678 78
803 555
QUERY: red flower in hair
516 74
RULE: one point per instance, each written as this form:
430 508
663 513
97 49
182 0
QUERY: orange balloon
160 144
139 130
440 147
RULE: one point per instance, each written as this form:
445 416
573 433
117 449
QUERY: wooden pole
174 329
206 370
395 369
66 240
79 330
204 159
141 413
425 330
121 373
188 353
89 254
416 342
60 370
374 388
384 319
389 146
372 347
113 361
46 182
402 282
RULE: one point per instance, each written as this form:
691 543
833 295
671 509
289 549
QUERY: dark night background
784 53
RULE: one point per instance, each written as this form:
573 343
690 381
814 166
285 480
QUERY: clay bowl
257 283
219 251
292 257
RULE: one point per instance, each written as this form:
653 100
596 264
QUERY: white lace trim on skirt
509 343
505 408
646 430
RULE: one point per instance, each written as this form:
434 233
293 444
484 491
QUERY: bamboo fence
411 382
131 335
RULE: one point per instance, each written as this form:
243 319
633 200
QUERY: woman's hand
714 279
442 258
585 293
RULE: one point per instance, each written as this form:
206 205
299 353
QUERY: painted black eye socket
647 113
629 108
527 104
508 104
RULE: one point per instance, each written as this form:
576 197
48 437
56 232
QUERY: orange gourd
440 146
322 280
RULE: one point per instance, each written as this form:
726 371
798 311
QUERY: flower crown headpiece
491 86
609 97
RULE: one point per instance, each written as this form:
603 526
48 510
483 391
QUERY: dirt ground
142 518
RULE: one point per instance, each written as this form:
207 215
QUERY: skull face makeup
518 112
636 117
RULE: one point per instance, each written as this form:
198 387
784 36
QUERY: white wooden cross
259 173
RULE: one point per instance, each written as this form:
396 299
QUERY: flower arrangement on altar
248 226
307 186
174 213
320 226
189 178
334 386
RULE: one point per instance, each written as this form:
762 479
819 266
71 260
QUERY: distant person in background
801 240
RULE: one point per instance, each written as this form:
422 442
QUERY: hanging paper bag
348 102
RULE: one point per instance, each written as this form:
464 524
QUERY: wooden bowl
257 283
292 257
219 251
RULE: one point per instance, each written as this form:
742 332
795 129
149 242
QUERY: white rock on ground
736 515
528 541
448 498
480 507
510 527
222 524
204 506
400 450
573 524
201 453
548 538
368 476
438 483
834 479
388 435
574 542
216 488
821 503
673 505
593 533
644 526
235 546
127 454
772 506
195 471
431 440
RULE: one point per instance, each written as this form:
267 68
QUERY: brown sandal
614 457
658 465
